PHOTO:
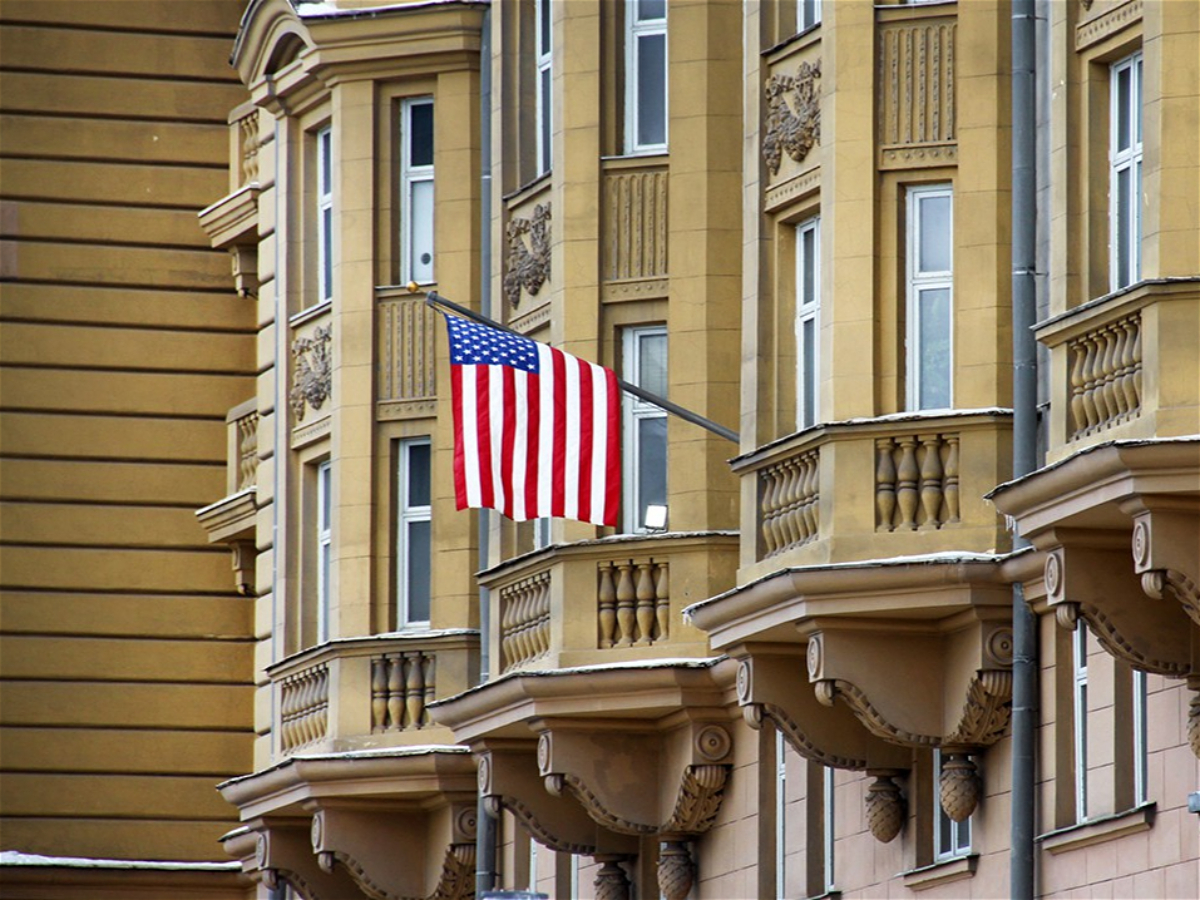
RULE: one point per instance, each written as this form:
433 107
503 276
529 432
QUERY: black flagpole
433 298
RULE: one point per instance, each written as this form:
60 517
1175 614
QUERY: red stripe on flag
612 498
508 436
558 474
483 414
532 450
586 440
460 477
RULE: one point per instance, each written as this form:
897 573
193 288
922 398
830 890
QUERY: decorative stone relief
796 128
611 881
676 873
635 225
313 379
527 267
916 72
699 800
960 787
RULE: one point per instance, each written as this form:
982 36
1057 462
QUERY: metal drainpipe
1024 312
486 831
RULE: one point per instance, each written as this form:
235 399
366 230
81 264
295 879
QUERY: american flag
535 429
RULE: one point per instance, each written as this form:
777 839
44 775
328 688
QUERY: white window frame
543 26
407 514
325 251
1141 746
808 14
829 835
635 31
1125 263
951 839
412 175
634 411
1079 669
918 282
808 316
324 547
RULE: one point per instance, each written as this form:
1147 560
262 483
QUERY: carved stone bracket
313 379
527 267
1095 583
793 129
885 806
1166 557
283 854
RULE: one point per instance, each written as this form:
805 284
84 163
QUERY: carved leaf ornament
314 371
796 128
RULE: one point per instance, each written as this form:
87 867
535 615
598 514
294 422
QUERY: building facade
789 670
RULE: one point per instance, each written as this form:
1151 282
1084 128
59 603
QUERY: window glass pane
1137 102
652 463
544 120
324 152
418 565
651 9
418 475
543 27
934 225
808 239
323 474
421 236
1124 90
421 134
652 363
652 89
326 253
808 344
1123 230
934 347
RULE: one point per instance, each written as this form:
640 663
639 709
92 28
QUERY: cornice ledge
1098 831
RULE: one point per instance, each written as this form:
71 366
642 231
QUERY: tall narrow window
1140 746
930 297
780 816
416 186
808 14
950 838
829 834
324 547
542 88
645 427
808 324
1125 160
645 76
324 215
414 553
1079 654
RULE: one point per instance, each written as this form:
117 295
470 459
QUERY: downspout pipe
1024 316
486 825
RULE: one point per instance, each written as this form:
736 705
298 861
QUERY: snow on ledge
17 858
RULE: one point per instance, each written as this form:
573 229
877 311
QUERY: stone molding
527 267
312 380
792 128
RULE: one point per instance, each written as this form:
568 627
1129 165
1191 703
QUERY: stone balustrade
370 691
242 443
908 483
614 599
1106 376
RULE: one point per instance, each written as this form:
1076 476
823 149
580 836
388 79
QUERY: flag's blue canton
472 344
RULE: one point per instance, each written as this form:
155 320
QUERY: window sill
832 894
1097 831
943 872
310 312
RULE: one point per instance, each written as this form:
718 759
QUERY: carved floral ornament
793 128
527 267
313 379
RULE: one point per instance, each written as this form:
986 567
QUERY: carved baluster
931 480
303 690
1115 337
1125 366
429 664
950 489
323 707
1137 363
885 485
543 615
662 603
907 475
307 716
792 519
522 643
508 626
626 595
395 693
286 700
1092 413
1103 390
607 598
1078 410
378 694
813 512
414 692
769 488
808 496
645 602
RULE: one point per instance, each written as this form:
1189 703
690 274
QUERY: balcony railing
926 475
242 443
370 691
1124 366
608 600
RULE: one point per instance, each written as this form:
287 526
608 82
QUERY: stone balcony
616 599
369 692
900 485
1125 366
231 520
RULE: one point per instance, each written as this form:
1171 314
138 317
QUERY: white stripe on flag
470 426
520 460
571 450
495 375
599 441
545 469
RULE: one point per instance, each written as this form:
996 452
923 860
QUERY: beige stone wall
126 658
